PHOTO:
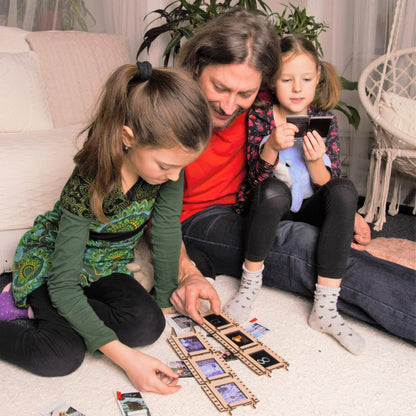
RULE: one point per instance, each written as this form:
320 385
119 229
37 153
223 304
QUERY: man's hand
186 298
192 287
362 233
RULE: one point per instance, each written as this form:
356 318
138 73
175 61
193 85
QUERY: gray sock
239 306
324 317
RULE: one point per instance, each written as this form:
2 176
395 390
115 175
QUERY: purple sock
8 310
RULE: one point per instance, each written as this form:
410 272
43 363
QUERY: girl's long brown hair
165 111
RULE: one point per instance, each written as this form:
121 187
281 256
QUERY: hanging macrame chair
389 80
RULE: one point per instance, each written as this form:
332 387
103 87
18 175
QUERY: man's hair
235 37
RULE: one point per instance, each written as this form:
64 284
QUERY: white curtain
128 17
359 32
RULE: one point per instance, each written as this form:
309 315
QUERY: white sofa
49 83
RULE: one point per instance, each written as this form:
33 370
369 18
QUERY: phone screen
320 124
301 122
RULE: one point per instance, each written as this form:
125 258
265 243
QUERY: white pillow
23 102
13 40
399 111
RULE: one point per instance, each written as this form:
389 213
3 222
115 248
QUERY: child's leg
272 199
324 316
332 208
47 346
126 307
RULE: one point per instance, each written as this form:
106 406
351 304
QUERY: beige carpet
323 378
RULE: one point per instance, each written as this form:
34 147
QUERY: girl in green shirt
70 268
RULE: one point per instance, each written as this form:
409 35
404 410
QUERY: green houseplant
181 18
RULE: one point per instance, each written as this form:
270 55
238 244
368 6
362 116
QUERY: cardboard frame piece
252 352
211 371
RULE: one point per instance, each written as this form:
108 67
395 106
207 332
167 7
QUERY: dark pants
52 348
373 290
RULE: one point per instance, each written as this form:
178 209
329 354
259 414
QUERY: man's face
230 90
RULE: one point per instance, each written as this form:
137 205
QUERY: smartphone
320 124
301 122
304 124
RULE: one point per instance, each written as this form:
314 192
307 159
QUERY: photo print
180 368
211 368
231 393
239 339
192 344
263 358
217 321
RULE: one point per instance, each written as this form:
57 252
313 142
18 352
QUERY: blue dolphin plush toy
292 170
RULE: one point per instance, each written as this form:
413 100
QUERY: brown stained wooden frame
212 384
224 329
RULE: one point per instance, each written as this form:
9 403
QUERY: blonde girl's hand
283 136
313 146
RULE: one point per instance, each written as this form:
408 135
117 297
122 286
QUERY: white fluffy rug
323 378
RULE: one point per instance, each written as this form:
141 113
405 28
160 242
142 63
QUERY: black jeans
373 290
331 208
52 348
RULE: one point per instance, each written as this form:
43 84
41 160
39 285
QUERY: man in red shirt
231 57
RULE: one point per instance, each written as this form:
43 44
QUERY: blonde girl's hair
329 87
164 108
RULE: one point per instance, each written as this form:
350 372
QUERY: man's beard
232 117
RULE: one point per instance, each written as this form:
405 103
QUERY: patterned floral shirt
260 124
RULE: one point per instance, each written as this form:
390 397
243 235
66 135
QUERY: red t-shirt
215 177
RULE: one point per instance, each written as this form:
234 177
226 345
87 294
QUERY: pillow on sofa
23 102
75 66
399 111
13 40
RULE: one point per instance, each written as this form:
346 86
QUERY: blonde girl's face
154 165
296 85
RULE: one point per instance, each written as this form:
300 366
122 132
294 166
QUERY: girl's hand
149 374
145 372
313 146
283 136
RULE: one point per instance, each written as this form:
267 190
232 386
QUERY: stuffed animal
292 170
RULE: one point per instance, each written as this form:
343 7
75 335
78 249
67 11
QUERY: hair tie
143 73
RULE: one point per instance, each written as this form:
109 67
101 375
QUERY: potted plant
181 18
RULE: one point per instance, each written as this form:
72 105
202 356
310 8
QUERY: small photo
264 358
132 403
216 320
192 344
180 323
184 322
210 367
239 338
61 408
257 329
180 368
231 393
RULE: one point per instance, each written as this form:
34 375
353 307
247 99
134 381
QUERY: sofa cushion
75 66
34 167
399 111
12 40
23 102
